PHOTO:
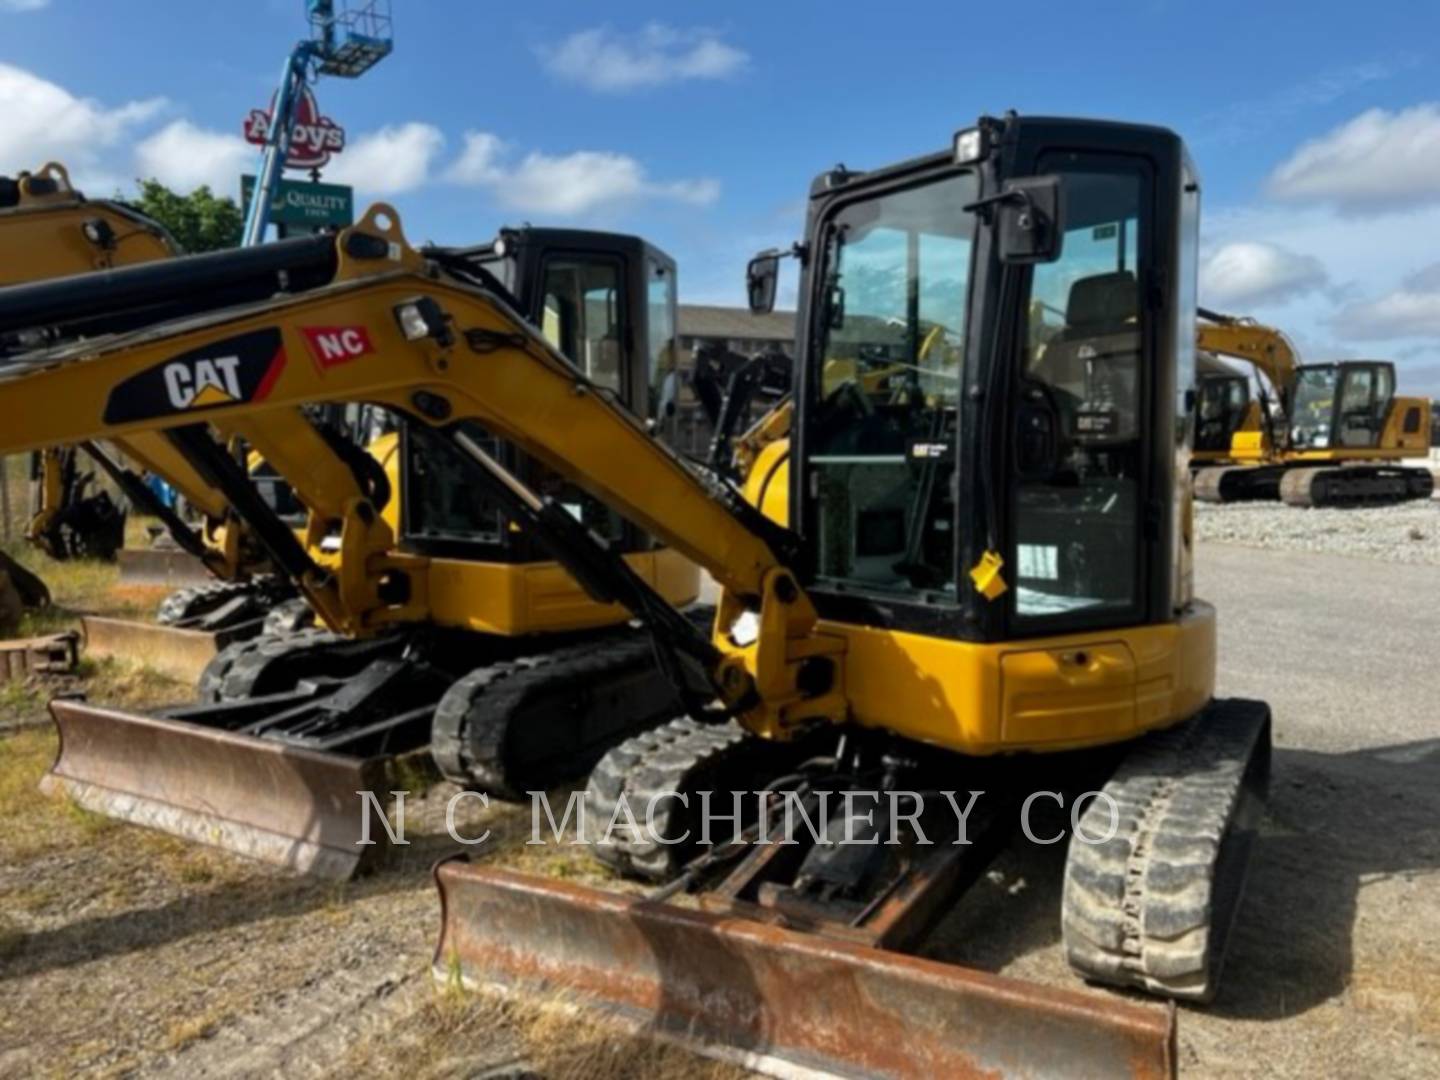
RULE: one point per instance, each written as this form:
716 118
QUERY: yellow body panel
540 598
44 239
1250 442
767 481
1042 695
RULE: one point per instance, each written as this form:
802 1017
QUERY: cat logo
234 371
206 382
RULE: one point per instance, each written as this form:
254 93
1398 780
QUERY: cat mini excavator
1336 436
480 615
985 585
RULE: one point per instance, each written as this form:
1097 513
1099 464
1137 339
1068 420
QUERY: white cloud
1245 274
388 161
1411 311
23 5
606 60
1376 162
182 156
567 184
44 122
385 162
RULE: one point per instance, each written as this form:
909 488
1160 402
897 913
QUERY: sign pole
277 144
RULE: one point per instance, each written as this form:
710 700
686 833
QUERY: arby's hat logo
313 140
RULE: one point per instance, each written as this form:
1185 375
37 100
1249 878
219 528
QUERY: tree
200 221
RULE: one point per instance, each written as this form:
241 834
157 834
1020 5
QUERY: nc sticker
233 371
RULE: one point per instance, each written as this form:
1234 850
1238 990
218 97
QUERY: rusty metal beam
54 654
779 1001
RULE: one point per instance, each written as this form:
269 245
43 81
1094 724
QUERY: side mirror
1031 223
761 277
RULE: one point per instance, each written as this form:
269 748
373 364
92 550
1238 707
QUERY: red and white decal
332 346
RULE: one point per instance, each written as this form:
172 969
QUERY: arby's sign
313 140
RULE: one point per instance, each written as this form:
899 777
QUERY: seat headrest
1103 300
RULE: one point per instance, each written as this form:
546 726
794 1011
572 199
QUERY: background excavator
491 609
51 230
1328 434
985 584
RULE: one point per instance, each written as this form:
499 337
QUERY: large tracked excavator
985 586
1325 434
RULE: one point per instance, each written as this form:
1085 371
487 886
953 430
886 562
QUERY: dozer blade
777 1001
181 654
279 804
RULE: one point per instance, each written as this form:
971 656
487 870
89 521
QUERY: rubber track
195 600
470 735
1347 486
1152 906
289 617
685 755
233 672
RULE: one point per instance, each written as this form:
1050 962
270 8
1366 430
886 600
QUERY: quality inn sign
306 206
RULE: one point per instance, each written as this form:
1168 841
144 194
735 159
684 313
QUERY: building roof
732 323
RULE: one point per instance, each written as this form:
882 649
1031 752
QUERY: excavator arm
1270 353
444 350
1265 348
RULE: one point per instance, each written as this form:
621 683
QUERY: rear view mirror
1031 223
761 277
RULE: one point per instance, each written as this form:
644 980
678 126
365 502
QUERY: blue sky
1316 129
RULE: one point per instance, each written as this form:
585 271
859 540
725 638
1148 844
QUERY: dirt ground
124 952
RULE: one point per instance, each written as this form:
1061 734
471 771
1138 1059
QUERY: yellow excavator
985 586
50 230
1336 436
482 616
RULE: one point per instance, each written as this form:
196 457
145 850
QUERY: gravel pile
1409 533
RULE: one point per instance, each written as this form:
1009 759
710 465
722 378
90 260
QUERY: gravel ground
1408 533
125 953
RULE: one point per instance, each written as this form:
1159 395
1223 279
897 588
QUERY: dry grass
454 1033
191 1029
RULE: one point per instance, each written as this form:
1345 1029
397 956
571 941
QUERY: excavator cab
1342 405
1221 404
1007 488
605 300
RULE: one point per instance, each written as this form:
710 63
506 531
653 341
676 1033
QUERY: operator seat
1094 361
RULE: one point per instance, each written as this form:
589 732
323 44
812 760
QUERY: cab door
1085 376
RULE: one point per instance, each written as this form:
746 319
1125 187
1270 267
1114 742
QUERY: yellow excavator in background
986 584
1334 434
489 633
50 230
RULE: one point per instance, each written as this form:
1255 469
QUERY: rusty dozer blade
181 654
262 799
777 1001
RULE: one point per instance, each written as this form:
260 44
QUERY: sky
1316 129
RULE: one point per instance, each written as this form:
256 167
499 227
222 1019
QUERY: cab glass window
581 316
891 331
1077 517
